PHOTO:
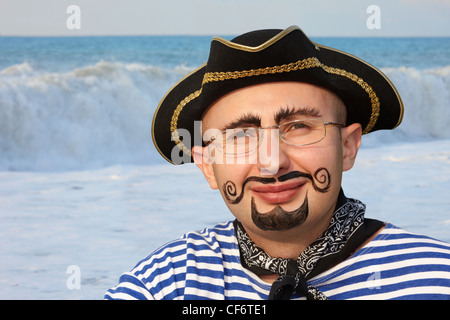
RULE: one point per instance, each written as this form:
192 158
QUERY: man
281 120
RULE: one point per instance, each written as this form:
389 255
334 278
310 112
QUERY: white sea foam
101 114
426 96
90 117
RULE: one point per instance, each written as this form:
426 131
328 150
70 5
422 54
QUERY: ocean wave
426 97
101 114
94 116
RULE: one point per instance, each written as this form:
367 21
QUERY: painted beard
279 219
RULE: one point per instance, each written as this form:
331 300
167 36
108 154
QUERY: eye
297 127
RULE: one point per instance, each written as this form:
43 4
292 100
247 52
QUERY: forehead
266 100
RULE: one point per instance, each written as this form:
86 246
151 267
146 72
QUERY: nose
271 156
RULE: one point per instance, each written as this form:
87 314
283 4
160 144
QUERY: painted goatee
279 219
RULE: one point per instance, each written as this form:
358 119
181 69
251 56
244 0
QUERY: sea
84 195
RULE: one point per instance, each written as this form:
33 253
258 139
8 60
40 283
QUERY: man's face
285 188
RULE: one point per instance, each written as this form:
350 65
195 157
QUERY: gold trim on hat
266 44
159 106
399 99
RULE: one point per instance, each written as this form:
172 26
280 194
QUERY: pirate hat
269 56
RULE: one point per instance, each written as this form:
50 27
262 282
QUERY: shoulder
220 235
162 274
395 238
397 249
396 264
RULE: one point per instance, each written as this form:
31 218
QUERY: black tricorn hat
272 56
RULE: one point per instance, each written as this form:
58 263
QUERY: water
81 184
62 54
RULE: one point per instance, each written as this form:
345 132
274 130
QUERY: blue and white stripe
206 265
395 265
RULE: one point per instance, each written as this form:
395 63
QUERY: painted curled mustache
229 188
321 177
321 182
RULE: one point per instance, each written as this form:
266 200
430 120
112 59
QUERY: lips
279 193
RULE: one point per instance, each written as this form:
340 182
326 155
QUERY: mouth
278 194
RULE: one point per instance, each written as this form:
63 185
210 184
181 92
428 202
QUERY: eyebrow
246 120
252 120
290 112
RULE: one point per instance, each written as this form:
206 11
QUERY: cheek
230 180
231 176
311 159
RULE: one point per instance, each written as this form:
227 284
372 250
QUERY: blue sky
222 17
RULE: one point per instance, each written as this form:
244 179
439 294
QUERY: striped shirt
396 264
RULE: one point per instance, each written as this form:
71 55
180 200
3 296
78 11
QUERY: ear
203 161
351 141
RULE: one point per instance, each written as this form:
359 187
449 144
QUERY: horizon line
207 35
